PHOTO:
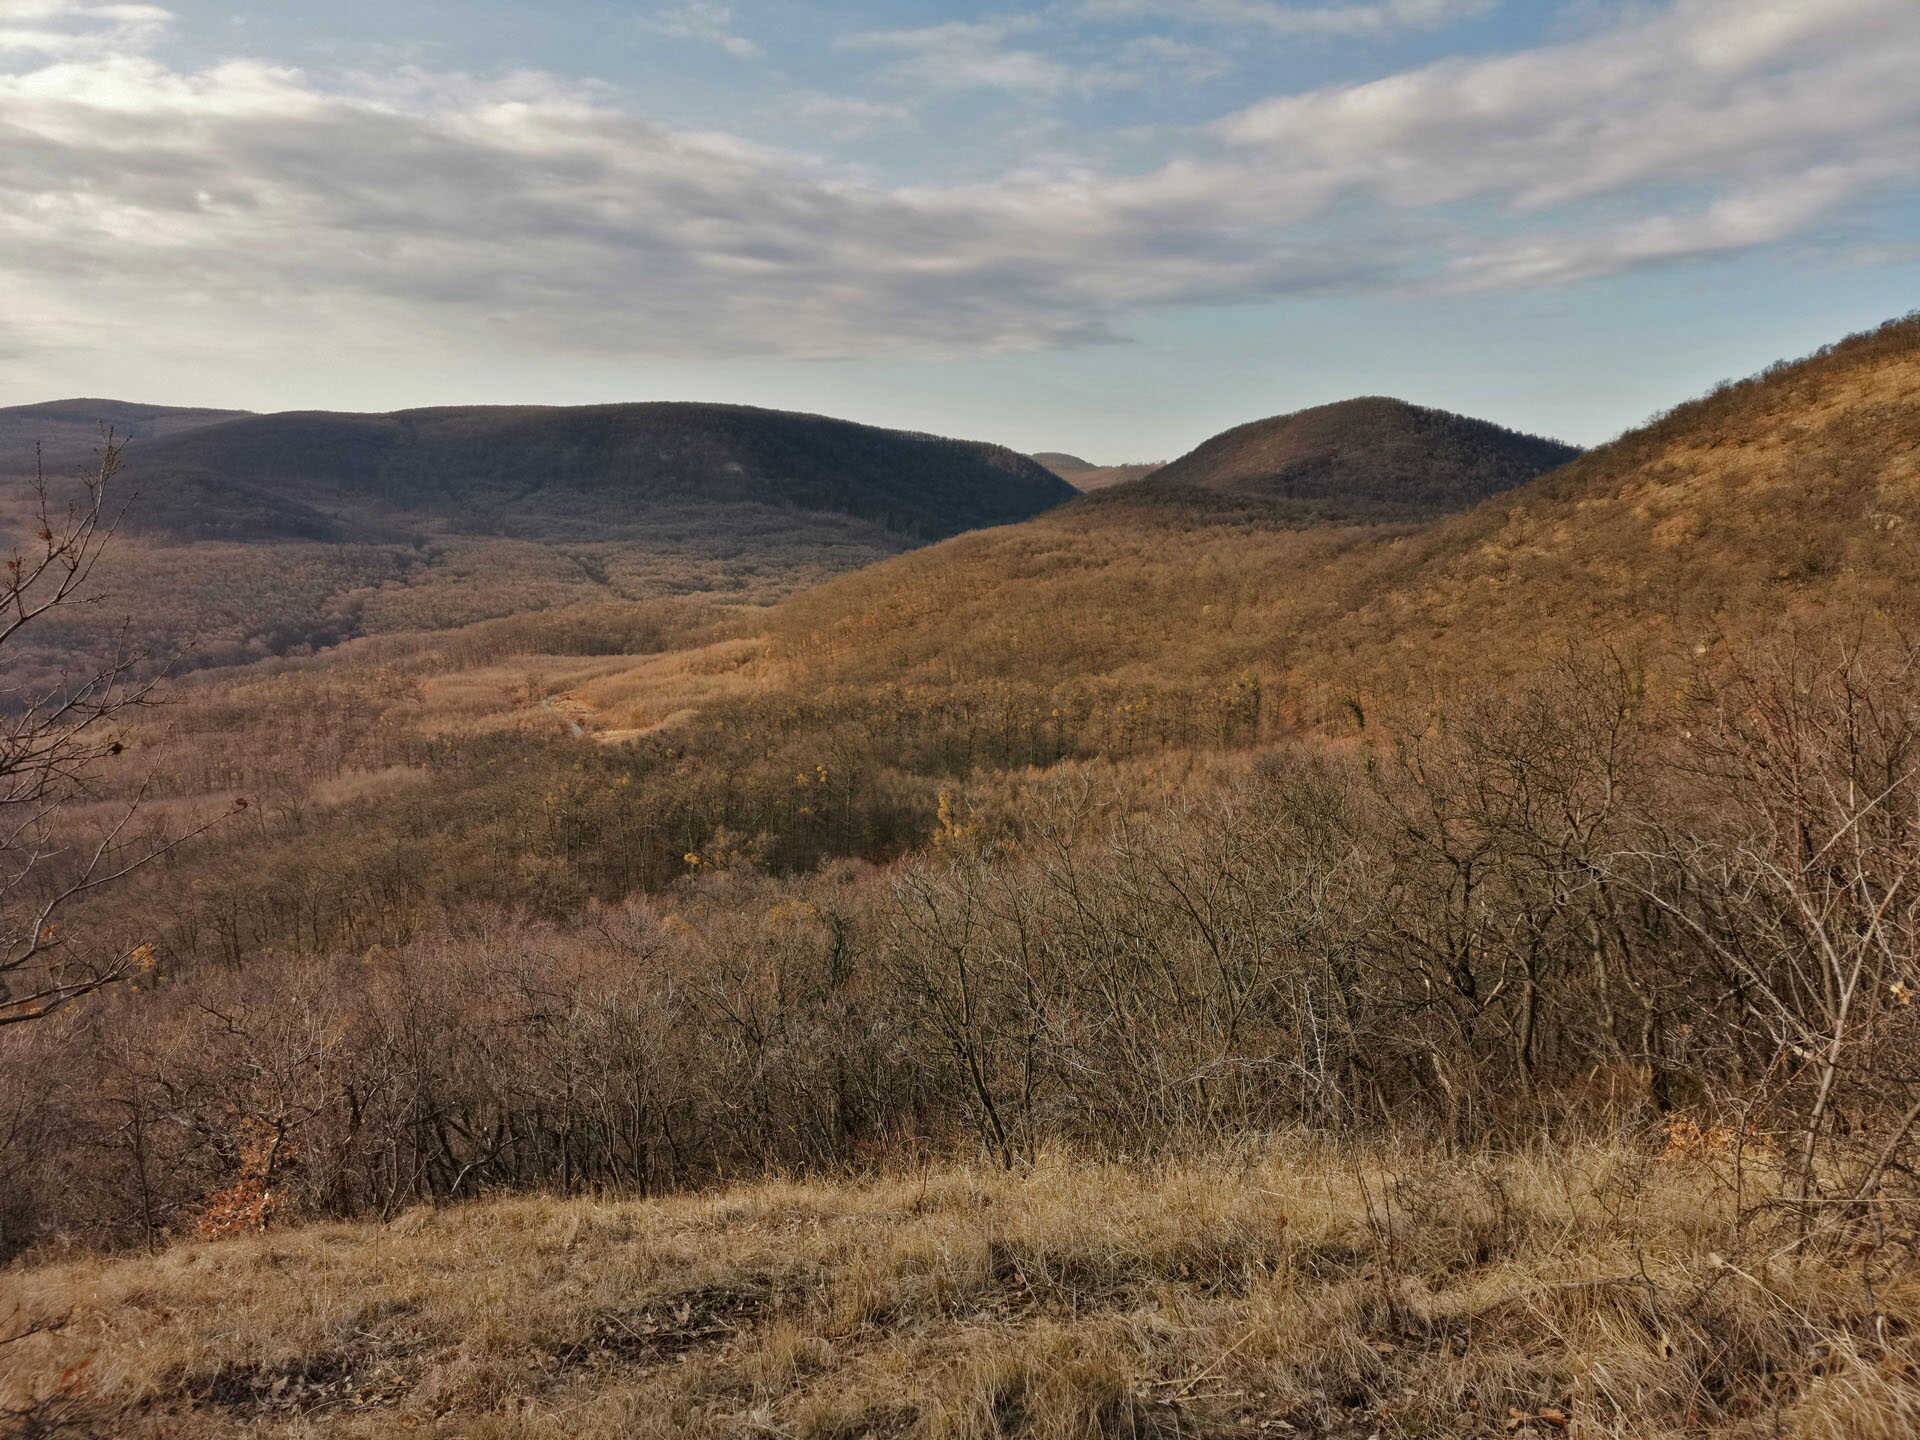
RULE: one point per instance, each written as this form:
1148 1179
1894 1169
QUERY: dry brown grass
1298 1288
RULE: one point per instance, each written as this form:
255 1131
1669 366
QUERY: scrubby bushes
1584 907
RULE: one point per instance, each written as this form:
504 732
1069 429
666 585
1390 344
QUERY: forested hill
64 431
1787 500
545 472
250 536
1791 497
1366 459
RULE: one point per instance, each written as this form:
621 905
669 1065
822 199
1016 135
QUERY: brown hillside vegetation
1094 634
1789 497
1269 530
1367 459
1099 633
1136 972
1559 916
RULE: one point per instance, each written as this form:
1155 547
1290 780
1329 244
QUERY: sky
1112 227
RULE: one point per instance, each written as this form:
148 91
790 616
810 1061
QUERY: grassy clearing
1295 1289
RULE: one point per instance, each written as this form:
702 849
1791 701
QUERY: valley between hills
691 920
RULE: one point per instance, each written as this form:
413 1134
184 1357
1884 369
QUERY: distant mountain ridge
544 472
1084 475
249 536
66 430
1372 458
1062 464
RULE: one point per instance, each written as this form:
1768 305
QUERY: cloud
977 55
248 208
1716 94
969 55
1741 220
849 119
1164 55
706 21
247 201
1379 17
66 27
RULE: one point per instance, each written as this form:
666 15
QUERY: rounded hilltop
1369 458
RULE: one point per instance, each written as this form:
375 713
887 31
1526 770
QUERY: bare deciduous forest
1151 969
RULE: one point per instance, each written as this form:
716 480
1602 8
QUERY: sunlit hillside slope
587 754
861 717
1137 973
1788 497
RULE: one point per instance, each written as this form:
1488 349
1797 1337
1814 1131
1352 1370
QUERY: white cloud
247 201
65 27
1719 94
969 55
1164 55
705 21
843 118
249 208
1739 220
1369 18
978 55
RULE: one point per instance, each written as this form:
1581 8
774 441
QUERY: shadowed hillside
578 472
64 430
268 535
1367 459
1062 464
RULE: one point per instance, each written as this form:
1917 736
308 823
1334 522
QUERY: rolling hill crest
1372 458
581 471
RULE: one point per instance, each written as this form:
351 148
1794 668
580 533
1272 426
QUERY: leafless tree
53 743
